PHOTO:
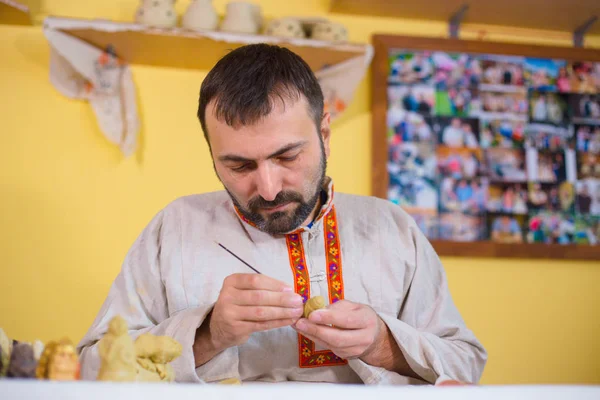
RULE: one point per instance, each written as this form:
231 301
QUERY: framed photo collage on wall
485 143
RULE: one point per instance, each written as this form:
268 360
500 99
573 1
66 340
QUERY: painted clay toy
314 303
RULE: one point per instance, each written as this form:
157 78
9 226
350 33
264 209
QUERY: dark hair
245 82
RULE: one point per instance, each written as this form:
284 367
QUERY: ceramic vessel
157 13
330 31
285 27
200 15
242 17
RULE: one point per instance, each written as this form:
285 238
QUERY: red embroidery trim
308 357
334 258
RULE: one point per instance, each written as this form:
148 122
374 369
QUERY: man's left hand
350 330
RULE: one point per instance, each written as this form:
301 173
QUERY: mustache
281 198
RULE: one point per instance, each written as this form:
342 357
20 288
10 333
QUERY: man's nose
268 181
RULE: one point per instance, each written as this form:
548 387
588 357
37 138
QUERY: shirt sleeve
429 330
139 296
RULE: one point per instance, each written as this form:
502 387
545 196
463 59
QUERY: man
423 106
506 230
453 135
584 199
540 112
390 318
469 136
538 199
464 192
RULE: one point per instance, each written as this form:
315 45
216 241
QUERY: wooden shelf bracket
581 31
455 21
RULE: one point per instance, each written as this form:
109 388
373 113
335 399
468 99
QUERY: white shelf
14 13
182 48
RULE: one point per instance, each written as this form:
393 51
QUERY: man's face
273 170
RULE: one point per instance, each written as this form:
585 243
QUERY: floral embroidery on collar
307 355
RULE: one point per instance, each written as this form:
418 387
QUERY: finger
268 325
266 313
332 336
343 305
256 282
354 319
317 341
265 298
347 353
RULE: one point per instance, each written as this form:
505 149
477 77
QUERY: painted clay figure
59 362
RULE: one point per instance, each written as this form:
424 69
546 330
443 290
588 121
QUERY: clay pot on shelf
200 15
242 17
285 27
157 13
330 31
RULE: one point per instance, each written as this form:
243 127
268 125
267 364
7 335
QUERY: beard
282 222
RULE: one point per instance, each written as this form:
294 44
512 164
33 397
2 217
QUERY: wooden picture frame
383 45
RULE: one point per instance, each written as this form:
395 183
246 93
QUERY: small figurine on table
153 355
146 360
117 353
59 362
5 349
22 362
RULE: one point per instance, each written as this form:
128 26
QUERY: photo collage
485 147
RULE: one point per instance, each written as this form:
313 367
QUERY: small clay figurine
285 27
200 15
314 303
5 349
157 13
117 353
242 17
38 349
22 362
153 355
59 362
330 31
145 360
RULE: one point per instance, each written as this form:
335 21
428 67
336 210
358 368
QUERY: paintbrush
233 254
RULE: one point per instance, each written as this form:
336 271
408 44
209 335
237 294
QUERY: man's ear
325 132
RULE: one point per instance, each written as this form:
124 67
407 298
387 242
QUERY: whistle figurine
314 303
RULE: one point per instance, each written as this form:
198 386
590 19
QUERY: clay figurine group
145 359
240 17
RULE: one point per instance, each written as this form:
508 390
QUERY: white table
84 390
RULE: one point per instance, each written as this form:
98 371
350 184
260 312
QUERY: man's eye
288 158
241 168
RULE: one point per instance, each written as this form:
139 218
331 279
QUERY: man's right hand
247 303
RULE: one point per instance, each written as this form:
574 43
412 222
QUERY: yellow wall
72 206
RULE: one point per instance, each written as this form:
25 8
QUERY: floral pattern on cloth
333 104
81 71
307 355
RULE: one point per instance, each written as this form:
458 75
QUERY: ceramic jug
330 31
200 15
242 17
285 27
157 13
